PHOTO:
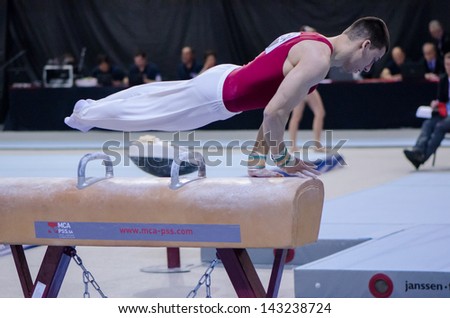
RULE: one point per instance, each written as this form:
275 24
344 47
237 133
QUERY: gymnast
277 80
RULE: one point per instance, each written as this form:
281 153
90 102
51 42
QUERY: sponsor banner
224 233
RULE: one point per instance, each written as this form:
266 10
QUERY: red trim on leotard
252 86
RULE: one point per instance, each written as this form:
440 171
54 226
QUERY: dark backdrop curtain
238 30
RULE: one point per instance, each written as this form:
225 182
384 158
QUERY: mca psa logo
60 229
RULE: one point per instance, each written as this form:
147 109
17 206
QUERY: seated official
143 71
393 69
107 74
209 60
435 128
432 64
188 68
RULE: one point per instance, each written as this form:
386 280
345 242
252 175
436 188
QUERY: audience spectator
307 28
64 59
106 73
393 70
68 59
441 38
209 60
188 68
433 129
431 62
142 71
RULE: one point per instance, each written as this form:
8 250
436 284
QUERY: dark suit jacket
438 68
443 89
443 45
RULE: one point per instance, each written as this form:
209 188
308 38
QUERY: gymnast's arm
311 69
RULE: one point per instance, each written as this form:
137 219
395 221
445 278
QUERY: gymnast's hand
434 104
301 169
264 173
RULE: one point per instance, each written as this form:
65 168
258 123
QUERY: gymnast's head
367 41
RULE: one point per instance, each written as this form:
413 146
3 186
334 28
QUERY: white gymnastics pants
165 106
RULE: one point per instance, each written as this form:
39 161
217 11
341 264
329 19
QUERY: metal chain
208 286
88 278
205 279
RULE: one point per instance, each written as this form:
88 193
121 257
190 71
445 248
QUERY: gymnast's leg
165 106
118 111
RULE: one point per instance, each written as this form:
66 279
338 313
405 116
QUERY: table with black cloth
349 105
46 108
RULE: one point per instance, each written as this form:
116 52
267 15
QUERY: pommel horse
229 214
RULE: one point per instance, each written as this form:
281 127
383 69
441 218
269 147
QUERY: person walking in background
314 102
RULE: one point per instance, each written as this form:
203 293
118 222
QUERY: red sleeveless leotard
252 86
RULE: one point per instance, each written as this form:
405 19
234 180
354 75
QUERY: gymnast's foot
74 121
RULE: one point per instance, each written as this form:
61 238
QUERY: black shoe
415 157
